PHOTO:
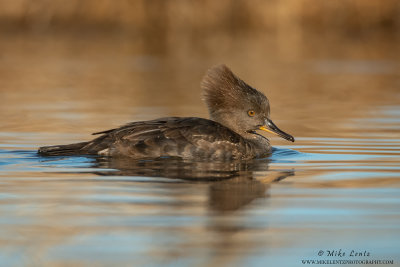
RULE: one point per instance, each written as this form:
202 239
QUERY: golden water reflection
60 83
337 185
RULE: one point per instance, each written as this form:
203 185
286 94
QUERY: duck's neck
259 146
229 122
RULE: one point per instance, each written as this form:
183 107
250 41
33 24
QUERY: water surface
337 187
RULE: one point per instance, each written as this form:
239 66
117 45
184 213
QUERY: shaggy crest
223 90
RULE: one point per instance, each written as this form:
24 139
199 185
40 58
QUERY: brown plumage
236 111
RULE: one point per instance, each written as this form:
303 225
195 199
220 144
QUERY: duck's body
236 110
186 138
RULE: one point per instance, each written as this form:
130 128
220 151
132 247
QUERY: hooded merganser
236 110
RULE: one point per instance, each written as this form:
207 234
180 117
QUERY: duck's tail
64 150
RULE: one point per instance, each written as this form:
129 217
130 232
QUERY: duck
238 113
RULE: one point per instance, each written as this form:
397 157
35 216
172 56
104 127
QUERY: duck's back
190 138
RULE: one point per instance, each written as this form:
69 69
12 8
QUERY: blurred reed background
205 17
69 64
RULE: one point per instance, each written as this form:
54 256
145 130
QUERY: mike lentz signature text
345 257
341 253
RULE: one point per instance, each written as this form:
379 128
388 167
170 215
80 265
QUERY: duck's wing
173 136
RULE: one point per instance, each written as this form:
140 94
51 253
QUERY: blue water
319 194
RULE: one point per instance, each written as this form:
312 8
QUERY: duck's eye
251 113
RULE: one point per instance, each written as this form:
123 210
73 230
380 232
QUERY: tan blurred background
82 66
205 16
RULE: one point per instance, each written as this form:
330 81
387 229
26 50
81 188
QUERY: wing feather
174 136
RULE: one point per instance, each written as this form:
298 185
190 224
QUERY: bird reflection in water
232 184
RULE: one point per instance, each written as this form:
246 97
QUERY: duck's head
236 105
